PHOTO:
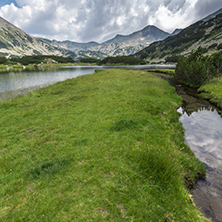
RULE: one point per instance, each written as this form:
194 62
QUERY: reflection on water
16 83
203 133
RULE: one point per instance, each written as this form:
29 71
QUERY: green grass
213 91
102 147
15 67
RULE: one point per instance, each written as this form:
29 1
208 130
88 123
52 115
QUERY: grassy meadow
213 91
102 147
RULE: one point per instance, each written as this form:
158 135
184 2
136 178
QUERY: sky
100 20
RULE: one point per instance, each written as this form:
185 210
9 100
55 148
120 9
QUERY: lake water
15 83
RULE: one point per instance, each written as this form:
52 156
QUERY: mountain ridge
119 45
213 15
205 33
15 42
150 43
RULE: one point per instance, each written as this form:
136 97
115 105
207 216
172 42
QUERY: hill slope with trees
207 34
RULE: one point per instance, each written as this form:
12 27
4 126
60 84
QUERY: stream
203 134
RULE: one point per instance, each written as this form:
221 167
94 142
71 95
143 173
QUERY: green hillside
16 43
207 34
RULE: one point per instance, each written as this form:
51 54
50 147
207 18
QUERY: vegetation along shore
102 147
203 72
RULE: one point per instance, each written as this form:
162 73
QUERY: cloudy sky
100 20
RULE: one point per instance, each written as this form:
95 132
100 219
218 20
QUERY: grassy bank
5 68
102 147
213 91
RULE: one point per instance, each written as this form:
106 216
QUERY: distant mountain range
118 46
15 42
206 33
150 43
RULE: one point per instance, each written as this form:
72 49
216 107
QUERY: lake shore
6 68
107 147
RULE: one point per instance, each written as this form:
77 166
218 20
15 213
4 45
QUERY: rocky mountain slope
206 33
118 46
149 43
130 44
15 42
73 46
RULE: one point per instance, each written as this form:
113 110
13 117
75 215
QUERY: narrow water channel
203 133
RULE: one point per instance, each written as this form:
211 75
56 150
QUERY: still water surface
203 133
15 83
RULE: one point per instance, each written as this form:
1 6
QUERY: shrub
214 45
3 60
90 60
36 59
173 58
197 69
127 60
219 46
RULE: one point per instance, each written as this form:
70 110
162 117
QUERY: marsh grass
102 147
213 91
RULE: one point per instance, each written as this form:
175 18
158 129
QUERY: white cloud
171 16
99 20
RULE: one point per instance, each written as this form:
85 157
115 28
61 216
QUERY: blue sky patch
8 2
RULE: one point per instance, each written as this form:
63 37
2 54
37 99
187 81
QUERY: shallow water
203 133
14 83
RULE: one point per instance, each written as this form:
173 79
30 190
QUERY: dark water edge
203 134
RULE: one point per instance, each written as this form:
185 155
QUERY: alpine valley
150 43
16 43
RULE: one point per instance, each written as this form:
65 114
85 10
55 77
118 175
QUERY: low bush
3 60
90 60
127 60
37 59
197 69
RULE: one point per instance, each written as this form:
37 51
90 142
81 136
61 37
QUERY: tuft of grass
213 91
102 147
